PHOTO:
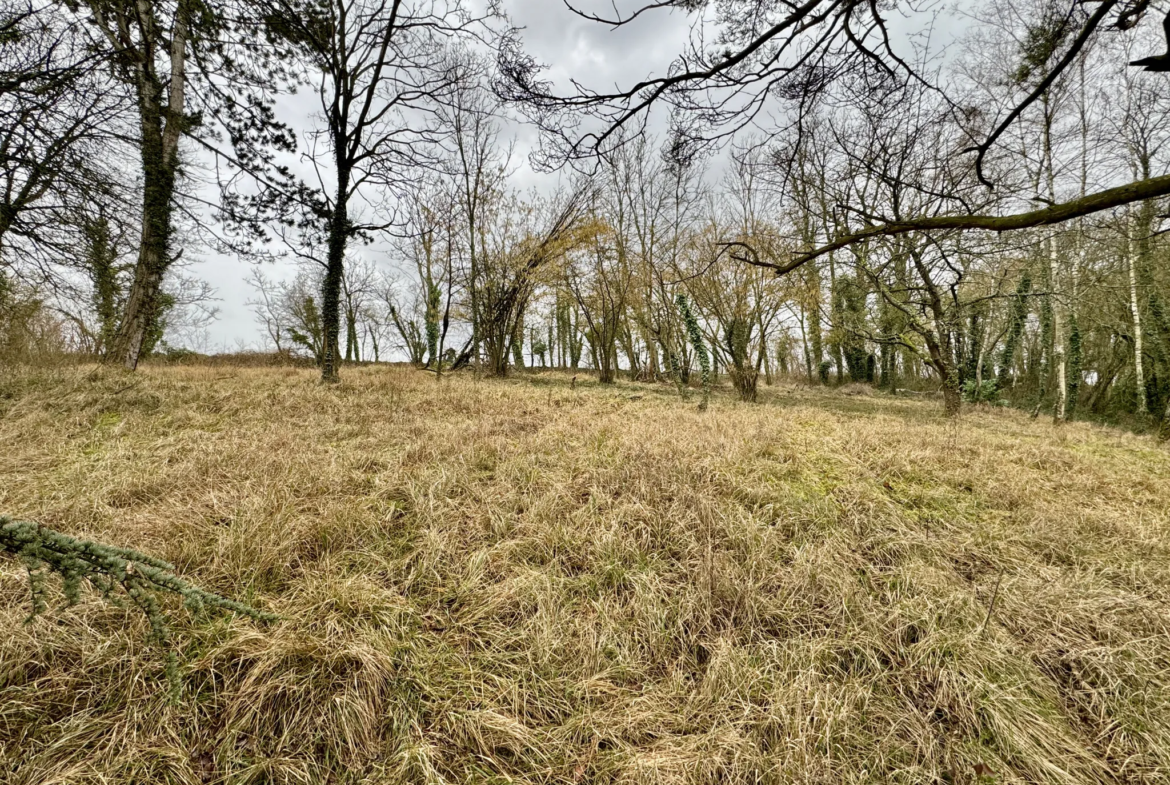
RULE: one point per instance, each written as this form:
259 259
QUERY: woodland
831 203
795 410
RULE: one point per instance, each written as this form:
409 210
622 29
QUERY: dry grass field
519 582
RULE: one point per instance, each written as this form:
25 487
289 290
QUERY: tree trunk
941 356
142 303
1135 312
517 342
1059 339
631 352
1059 363
804 345
952 401
101 259
1117 362
653 370
552 344
331 285
353 349
1019 316
606 356
141 307
816 339
1043 366
161 129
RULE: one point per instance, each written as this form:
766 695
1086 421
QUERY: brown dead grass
515 582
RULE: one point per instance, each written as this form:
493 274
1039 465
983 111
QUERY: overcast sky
568 44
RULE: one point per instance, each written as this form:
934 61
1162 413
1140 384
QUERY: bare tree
382 68
289 311
747 56
268 309
430 252
60 145
599 276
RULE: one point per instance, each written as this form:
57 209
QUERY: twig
991 606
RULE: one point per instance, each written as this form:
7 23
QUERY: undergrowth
496 582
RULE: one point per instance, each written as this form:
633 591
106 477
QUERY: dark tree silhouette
381 70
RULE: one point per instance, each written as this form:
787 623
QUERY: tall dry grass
518 582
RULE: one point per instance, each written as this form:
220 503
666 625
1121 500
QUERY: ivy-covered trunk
942 361
331 284
517 341
161 128
815 337
1059 337
696 340
433 326
744 374
1019 315
101 258
836 346
1075 361
850 314
889 328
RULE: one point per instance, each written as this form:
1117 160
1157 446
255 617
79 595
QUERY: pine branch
107 568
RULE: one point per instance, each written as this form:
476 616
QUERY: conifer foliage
108 569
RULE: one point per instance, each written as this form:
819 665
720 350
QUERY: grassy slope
517 582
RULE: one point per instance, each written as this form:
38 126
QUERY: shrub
823 371
985 392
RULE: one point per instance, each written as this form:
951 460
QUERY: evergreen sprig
108 568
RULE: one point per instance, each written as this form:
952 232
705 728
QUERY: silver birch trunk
1135 312
1058 337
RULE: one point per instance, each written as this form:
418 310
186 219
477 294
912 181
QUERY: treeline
1067 320
830 246
589 276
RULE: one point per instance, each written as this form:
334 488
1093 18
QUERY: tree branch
1058 213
